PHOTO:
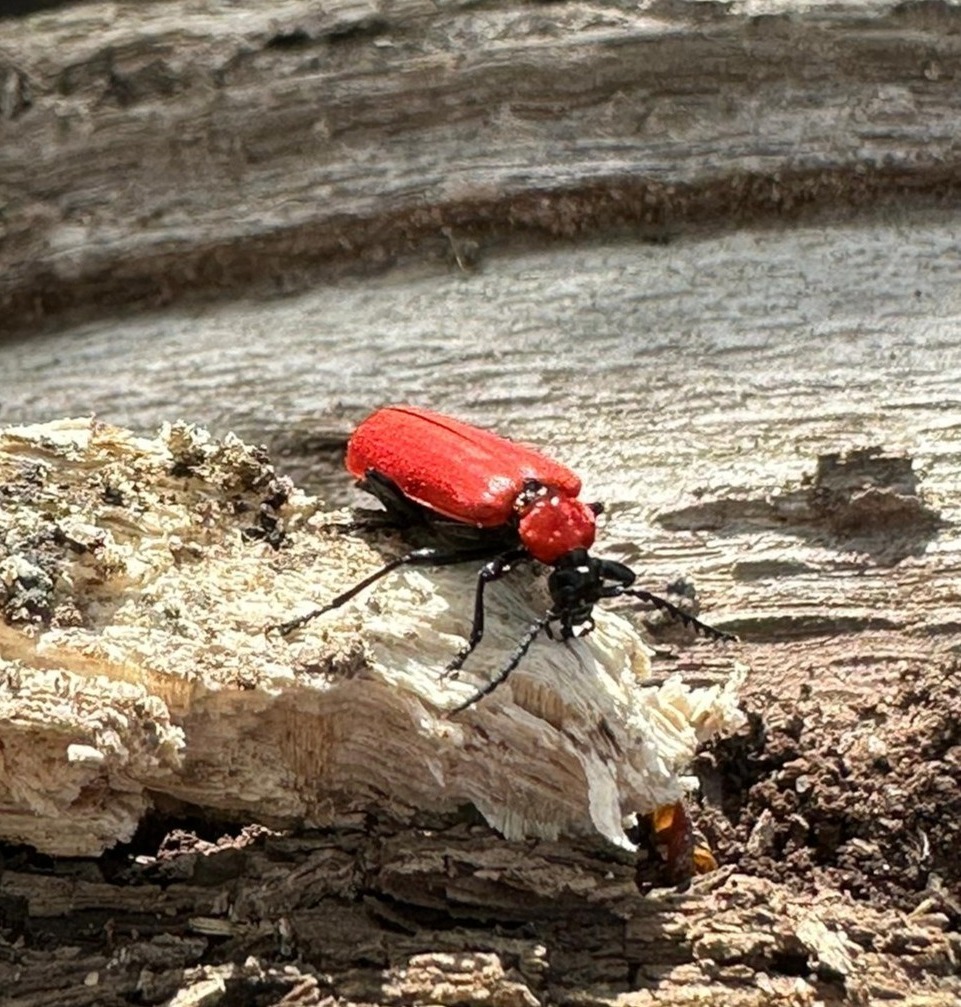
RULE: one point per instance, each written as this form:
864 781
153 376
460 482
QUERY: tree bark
266 149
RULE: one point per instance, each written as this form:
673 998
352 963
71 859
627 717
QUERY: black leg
497 568
609 569
418 557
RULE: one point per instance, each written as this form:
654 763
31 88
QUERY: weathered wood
733 938
379 917
150 151
701 380
140 581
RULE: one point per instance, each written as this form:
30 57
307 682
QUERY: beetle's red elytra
475 477
473 495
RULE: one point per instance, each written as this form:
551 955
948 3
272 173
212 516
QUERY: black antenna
522 648
677 613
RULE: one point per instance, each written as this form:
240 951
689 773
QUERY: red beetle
480 496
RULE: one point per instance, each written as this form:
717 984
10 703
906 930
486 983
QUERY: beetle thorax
551 524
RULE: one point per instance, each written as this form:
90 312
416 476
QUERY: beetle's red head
551 524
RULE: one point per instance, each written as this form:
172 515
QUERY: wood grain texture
705 255
140 580
183 146
712 373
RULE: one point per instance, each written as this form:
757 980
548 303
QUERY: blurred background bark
707 254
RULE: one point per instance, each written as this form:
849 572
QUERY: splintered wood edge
139 579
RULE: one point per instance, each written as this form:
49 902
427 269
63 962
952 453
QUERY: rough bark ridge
265 146
447 916
140 581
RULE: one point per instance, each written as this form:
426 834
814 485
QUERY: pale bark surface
141 579
756 287
154 149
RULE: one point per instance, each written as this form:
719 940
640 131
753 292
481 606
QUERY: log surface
707 255
150 151
140 582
